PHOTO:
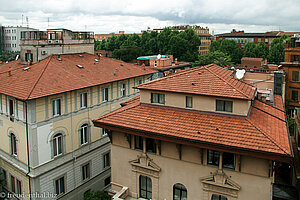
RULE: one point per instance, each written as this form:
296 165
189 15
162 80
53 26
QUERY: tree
8 56
216 57
96 195
250 50
276 53
127 53
229 47
261 50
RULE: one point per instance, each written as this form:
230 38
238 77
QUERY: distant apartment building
1 39
11 36
49 144
197 134
104 36
242 38
38 45
291 67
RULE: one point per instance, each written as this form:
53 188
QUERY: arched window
145 187
179 192
84 130
218 197
13 144
57 144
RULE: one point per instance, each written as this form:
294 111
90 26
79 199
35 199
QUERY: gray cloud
134 15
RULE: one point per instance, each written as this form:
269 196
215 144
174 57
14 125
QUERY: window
106 160
295 95
85 169
28 57
11 107
83 100
145 187
60 185
104 131
56 107
224 106
218 197
150 145
4 177
13 144
19 186
179 192
138 142
213 157
105 94
16 185
107 181
84 134
228 160
57 145
155 63
157 98
139 81
295 76
189 102
123 89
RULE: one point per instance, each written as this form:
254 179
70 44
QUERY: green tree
216 57
261 50
127 53
8 56
96 195
276 53
250 50
229 47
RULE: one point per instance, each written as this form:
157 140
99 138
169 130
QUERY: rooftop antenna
48 22
22 19
27 22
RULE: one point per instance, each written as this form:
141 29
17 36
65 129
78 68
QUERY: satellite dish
240 73
158 56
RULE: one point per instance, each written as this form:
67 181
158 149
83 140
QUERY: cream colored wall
10 170
203 103
255 184
260 80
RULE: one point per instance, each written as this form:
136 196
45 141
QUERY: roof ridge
39 77
205 67
269 137
268 113
175 74
270 105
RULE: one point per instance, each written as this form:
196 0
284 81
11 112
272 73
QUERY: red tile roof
259 132
207 80
51 76
252 59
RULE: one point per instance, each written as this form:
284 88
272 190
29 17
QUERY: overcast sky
135 15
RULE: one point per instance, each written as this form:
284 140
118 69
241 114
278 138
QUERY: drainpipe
27 138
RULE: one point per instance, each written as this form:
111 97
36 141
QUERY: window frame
55 146
83 99
157 97
105 94
295 93
58 180
146 189
234 161
85 171
106 160
141 142
104 132
181 189
189 102
84 134
223 103
123 89
13 144
151 145
295 76
214 161
56 107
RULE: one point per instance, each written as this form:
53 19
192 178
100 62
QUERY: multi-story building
1 39
105 36
12 37
291 67
197 134
38 45
49 145
242 38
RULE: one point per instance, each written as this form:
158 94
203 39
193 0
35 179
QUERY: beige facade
46 167
249 180
201 103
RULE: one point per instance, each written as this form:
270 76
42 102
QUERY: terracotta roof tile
260 131
51 76
208 80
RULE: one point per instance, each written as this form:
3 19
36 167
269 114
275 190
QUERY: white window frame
55 110
83 99
85 171
56 142
13 144
104 89
84 134
58 180
123 89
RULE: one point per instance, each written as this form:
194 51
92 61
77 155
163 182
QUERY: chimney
176 62
9 71
278 79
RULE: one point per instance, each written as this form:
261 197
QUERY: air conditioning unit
49 41
56 41
44 52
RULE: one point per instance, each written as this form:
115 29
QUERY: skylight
79 66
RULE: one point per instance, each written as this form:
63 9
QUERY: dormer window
224 106
189 102
157 98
